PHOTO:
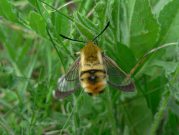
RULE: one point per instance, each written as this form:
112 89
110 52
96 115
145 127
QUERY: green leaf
126 9
174 107
115 19
85 6
163 62
169 21
137 116
61 24
171 127
155 126
37 23
153 2
169 67
6 10
175 85
144 29
123 56
155 86
88 23
33 2
158 5
83 27
100 10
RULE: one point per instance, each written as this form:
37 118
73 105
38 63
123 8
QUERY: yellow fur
91 59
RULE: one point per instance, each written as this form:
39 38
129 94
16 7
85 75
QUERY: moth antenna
102 31
72 39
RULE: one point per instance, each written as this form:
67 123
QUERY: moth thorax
91 53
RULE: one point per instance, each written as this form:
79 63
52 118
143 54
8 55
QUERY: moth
92 71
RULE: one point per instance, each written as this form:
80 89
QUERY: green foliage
30 65
169 20
37 23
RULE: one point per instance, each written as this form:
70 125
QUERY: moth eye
82 79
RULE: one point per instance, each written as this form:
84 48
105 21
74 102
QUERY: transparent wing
65 87
73 72
69 83
116 76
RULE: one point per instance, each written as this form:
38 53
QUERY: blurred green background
32 59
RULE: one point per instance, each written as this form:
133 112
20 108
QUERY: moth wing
68 83
116 76
73 72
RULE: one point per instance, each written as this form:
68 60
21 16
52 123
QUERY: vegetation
33 56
